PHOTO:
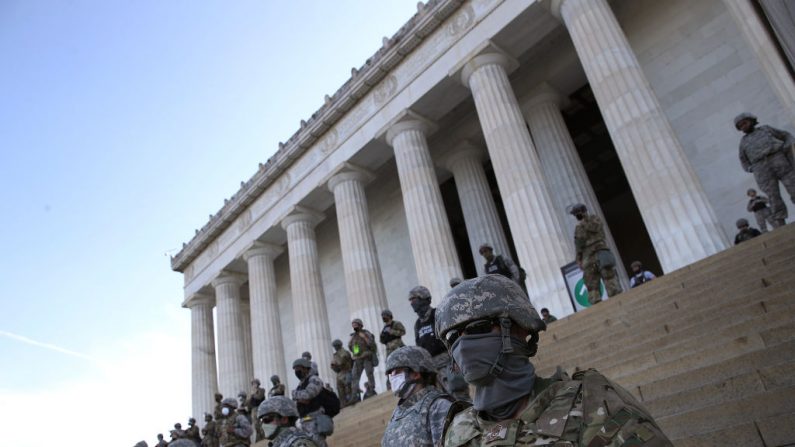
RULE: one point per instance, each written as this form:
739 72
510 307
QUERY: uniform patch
496 433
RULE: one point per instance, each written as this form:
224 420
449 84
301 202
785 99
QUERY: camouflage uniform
418 419
391 336
759 206
589 240
309 388
362 347
210 434
344 363
278 387
767 153
161 442
586 410
234 429
285 436
192 432
257 397
217 410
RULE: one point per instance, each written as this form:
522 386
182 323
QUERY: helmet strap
505 334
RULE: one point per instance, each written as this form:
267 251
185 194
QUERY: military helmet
486 297
750 190
182 442
744 116
336 343
275 378
741 223
307 355
454 281
485 246
386 313
358 321
420 292
192 420
229 402
414 358
279 405
302 362
178 426
577 208
256 381
636 264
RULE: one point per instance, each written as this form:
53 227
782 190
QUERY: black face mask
357 329
300 374
420 306
385 320
580 216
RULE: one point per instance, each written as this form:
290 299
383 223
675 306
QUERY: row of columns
538 177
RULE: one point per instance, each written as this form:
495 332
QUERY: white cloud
140 386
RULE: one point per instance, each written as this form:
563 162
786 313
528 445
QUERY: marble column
763 46
541 244
561 163
204 377
363 281
245 321
232 368
435 256
266 332
480 213
309 303
675 209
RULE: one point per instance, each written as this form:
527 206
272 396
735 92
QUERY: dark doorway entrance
607 177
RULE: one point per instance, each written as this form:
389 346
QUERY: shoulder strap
458 406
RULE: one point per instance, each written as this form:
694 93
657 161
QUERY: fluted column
675 209
561 163
267 346
204 377
435 256
245 321
480 213
773 65
309 304
232 368
538 234
363 280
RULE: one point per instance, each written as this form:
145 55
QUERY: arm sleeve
513 268
398 330
744 160
313 388
242 427
438 413
782 135
649 275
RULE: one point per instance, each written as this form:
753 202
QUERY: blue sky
123 125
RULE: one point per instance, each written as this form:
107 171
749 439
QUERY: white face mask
269 430
397 382
225 411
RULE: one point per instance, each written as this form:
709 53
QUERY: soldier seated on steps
491 330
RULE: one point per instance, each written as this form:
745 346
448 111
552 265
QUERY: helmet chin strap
407 386
505 334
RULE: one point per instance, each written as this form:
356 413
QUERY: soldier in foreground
341 364
392 334
425 337
491 330
419 416
278 415
233 429
363 351
307 397
278 387
593 256
767 153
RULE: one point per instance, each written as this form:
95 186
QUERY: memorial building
482 121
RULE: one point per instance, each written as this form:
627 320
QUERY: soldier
209 432
639 275
242 398
234 429
160 441
492 343
746 231
767 153
363 352
499 264
369 390
342 365
278 415
419 416
217 411
425 337
593 256
392 334
307 355
192 432
278 387
759 206
178 432
307 397
256 397
547 317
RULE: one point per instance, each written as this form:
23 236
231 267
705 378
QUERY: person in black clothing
499 264
746 232
425 337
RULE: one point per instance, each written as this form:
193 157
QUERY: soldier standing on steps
767 153
392 334
758 205
209 432
256 397
342 365
362 347
160 441
233 429
217 411
593 256
746 232
192 432
492 343
278 387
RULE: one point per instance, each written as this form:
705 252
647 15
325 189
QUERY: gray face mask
498 390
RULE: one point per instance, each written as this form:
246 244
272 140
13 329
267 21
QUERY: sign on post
578 293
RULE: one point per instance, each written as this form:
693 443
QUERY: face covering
385 320
299 374
400 387
269 430
357 329
498 396
420 306
225 411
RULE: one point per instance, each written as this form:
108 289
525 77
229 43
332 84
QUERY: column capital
198 299
227 277
347 172
263 249
405 121
554 7
542 94
487 53
302 214
462 150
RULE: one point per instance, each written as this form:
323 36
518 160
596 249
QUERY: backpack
329 401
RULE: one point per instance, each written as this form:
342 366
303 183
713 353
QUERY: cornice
393 50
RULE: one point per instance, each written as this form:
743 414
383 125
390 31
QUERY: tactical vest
386 337
425 335
497 265
410 426
230 439
289 436
314 403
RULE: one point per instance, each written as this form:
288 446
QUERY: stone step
775 431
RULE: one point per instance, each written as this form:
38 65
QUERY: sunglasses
473 328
